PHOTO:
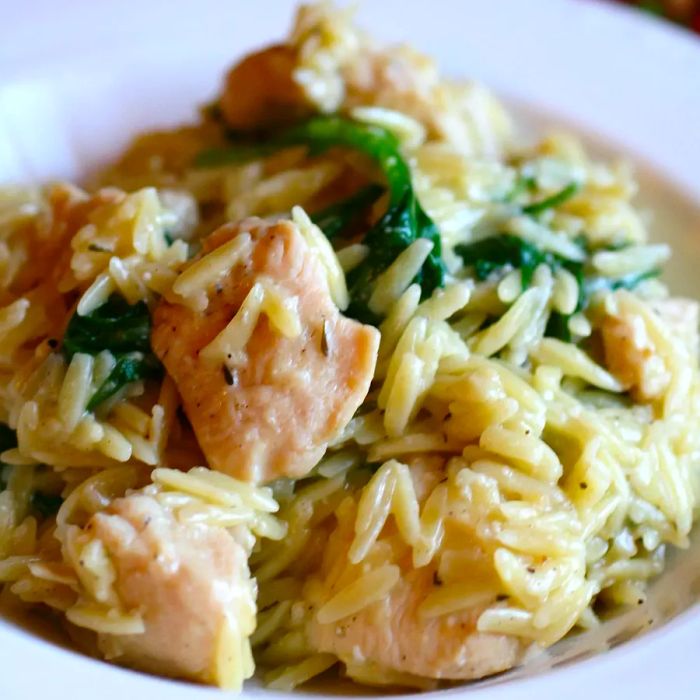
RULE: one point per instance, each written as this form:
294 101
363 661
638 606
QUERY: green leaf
122 329
495 252
116 326
129 368
334 219
555 200
241 153
596 284
404 220
558 326
523 184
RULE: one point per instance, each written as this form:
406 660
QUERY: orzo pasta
342 376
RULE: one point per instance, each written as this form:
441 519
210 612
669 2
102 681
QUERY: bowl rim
661 50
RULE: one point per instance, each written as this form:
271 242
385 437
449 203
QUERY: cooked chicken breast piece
631 352
299 371
278 85
397 633
393 634
261 90
191 584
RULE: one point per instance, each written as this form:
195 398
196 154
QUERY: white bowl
77 82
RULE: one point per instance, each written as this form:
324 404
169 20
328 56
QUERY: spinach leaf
558 326
129 368
495 252
555 200
523 184
124 330
334 219
595 284
239 153
403 222
115 326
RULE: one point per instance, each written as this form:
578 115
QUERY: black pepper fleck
53 343
228 377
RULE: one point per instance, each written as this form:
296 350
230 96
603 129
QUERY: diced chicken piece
272 411
631 353
68 209
261 90
189 581
328 66
393 634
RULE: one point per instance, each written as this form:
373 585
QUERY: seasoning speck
228 377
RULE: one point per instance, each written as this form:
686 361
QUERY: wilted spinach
404 220
335 219
555 200
495 252
125 331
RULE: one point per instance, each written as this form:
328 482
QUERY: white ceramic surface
78 78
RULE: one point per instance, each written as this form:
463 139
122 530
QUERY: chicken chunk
261 90
397 634
631 351
392 634
270 410
67 210
189 581
328 65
